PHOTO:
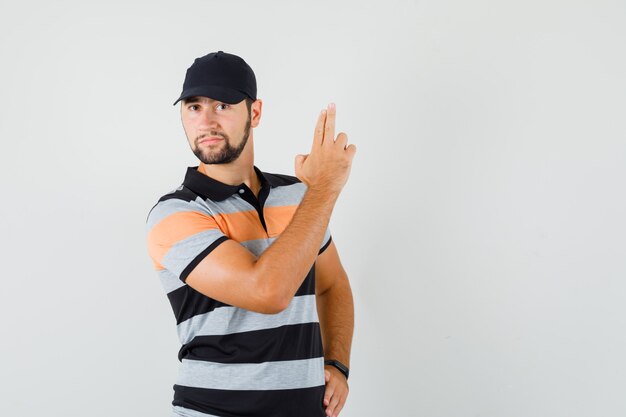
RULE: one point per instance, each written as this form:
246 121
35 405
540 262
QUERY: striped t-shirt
236 362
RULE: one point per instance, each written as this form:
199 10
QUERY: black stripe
301 402
326 245
187 302
284 343
184 194
308 285
279 180
200 257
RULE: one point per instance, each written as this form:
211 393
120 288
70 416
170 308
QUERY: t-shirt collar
213 189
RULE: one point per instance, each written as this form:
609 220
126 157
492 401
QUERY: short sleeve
179 237
325 241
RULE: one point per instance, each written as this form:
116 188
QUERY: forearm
336 314
282 267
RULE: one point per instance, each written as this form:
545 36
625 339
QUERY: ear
256 110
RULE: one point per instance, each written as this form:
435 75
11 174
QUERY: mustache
200 137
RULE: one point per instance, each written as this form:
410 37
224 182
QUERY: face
217 132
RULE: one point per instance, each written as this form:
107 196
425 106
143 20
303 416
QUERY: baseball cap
220 76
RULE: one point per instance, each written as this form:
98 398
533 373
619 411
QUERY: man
263 306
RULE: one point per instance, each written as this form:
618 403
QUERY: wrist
339 366
323 191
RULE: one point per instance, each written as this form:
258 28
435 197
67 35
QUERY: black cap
220 76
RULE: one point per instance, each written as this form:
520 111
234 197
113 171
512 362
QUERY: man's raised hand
328 165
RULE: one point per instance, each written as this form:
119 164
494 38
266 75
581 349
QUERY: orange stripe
174 228
157 265
277 218
241 225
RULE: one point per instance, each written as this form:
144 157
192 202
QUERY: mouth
210 139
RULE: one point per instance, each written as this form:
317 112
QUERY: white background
482 227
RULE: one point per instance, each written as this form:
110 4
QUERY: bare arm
335 308
335 305
232 274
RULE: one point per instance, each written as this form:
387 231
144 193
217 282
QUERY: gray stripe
227 320
232 204
288 195
172 206
169 281
303 373
183 252
178 411
258 246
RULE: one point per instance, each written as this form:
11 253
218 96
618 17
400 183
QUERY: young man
263 306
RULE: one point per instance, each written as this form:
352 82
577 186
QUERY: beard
228 153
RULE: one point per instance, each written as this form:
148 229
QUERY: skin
205 117
335 308
234 275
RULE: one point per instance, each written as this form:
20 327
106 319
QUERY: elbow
274 308
271 298
281 304
274 302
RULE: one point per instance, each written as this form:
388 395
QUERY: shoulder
281 179
179 199
286 189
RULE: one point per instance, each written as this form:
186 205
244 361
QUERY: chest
252 224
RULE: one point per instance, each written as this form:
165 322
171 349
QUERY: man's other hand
336 390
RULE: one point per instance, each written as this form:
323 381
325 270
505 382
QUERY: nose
207 120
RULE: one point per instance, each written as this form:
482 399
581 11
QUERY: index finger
329 128
318 136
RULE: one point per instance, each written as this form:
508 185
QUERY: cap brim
216 92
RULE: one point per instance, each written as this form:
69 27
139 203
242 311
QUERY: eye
223 104
193 105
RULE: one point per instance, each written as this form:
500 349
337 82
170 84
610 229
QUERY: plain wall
482 227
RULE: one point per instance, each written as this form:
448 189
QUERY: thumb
299 161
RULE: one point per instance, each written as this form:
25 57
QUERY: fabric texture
236 362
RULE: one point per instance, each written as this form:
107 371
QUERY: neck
234 173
